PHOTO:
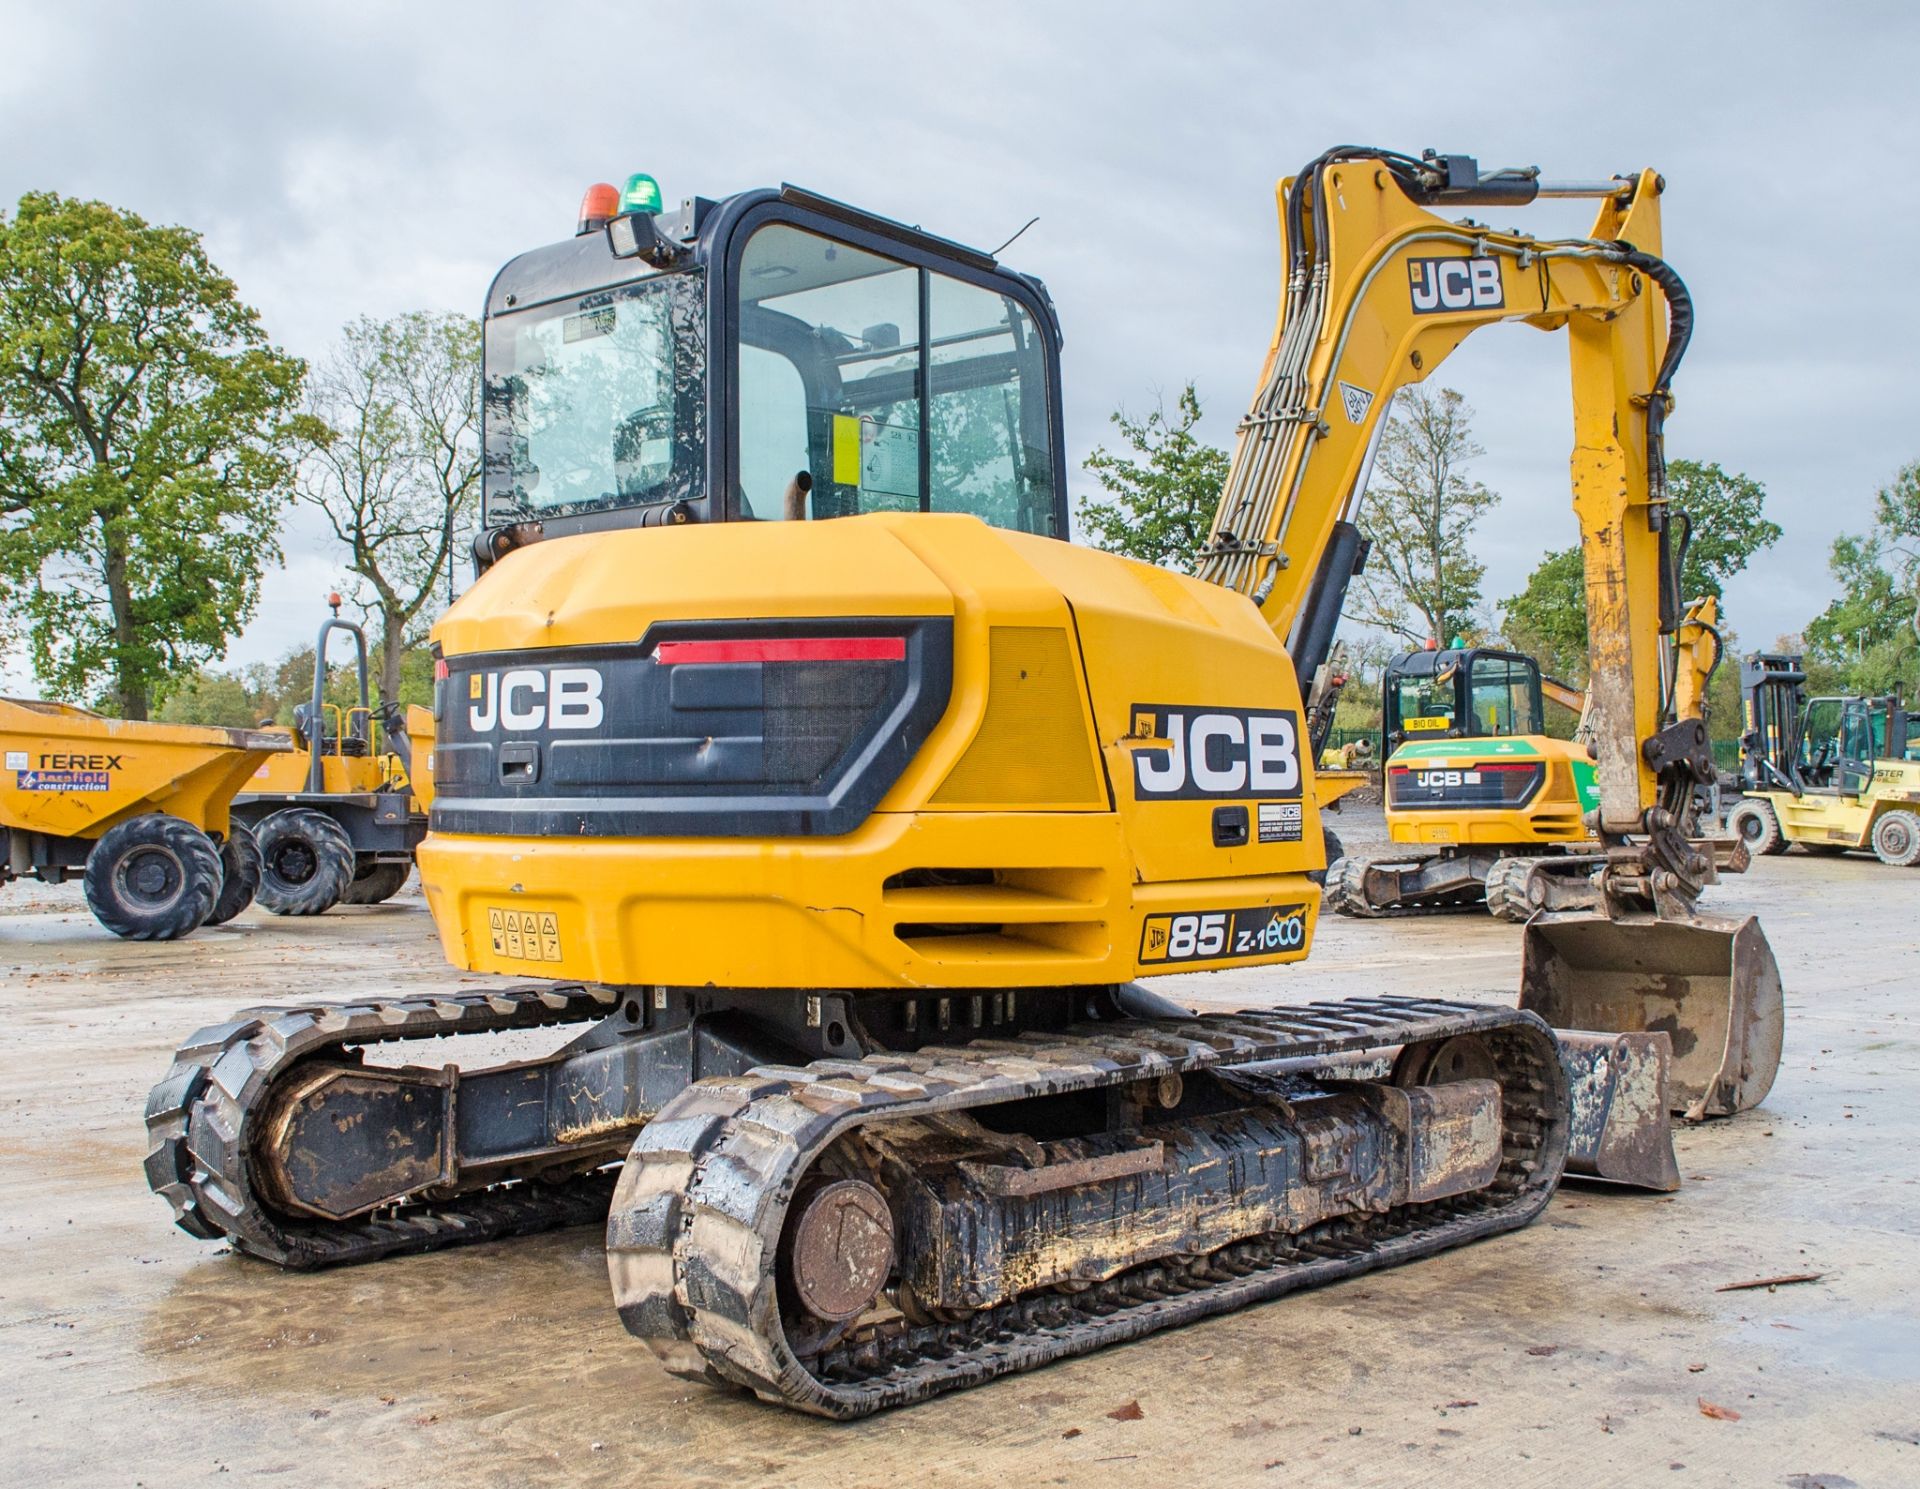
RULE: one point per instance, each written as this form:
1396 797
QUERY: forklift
1832 774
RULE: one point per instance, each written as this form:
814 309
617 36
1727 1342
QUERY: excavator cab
772 356
1471 692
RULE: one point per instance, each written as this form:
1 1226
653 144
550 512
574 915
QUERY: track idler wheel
839 1250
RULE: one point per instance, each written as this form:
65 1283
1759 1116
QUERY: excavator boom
1379 291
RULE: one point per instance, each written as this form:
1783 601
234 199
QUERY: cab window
892 388
1820 740
1504 696
595 404
1425 705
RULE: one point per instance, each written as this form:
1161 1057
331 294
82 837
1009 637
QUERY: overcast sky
372 159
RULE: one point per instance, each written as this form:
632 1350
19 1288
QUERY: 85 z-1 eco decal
1220 935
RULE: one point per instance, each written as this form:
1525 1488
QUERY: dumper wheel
1334 854
1756 822
240 861
306 862
1896 839
375 883
154 878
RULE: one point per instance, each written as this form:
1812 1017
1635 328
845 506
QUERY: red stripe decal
785 649
1401 770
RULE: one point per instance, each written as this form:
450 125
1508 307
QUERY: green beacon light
640 194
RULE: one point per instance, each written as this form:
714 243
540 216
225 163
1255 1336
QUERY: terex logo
1455 284
534 698
1215 752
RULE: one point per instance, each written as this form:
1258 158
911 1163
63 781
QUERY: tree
1870 634
1548 619
1163 502
395 465
210 696
1726 514
143 418
1422 579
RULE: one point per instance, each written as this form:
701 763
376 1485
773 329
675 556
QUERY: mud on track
132 1354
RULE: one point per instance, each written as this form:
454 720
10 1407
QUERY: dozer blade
1621 1131
1710 984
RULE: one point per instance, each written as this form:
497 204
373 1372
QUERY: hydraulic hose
1660 398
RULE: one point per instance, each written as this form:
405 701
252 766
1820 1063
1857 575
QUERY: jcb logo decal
1215 752
531 698
1455 284
1436 779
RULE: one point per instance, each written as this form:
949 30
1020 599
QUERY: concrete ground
1593 1348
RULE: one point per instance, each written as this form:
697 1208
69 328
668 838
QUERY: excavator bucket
1710 984
1620 1131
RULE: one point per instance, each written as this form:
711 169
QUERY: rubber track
1348 899
1507 890
1508 880
199 1116
693 1238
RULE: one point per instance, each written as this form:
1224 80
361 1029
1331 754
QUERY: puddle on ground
407 1322
1881 1346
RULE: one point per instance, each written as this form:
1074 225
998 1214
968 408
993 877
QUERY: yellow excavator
838 849
1482 805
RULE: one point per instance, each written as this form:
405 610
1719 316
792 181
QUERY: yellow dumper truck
140 811
338 818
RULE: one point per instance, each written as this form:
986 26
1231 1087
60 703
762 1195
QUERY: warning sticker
1356 401
62 780
525 935
16 759
1280 821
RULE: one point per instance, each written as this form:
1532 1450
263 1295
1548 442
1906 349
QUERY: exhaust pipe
1710 984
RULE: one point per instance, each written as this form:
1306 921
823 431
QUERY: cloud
370 159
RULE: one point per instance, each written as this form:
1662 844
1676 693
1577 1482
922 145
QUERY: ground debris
1696 1367
1543 1349
1457 1405
1786 1279
1129 1413
1071 1432
1718 1413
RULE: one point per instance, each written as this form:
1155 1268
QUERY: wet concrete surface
1578 1352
